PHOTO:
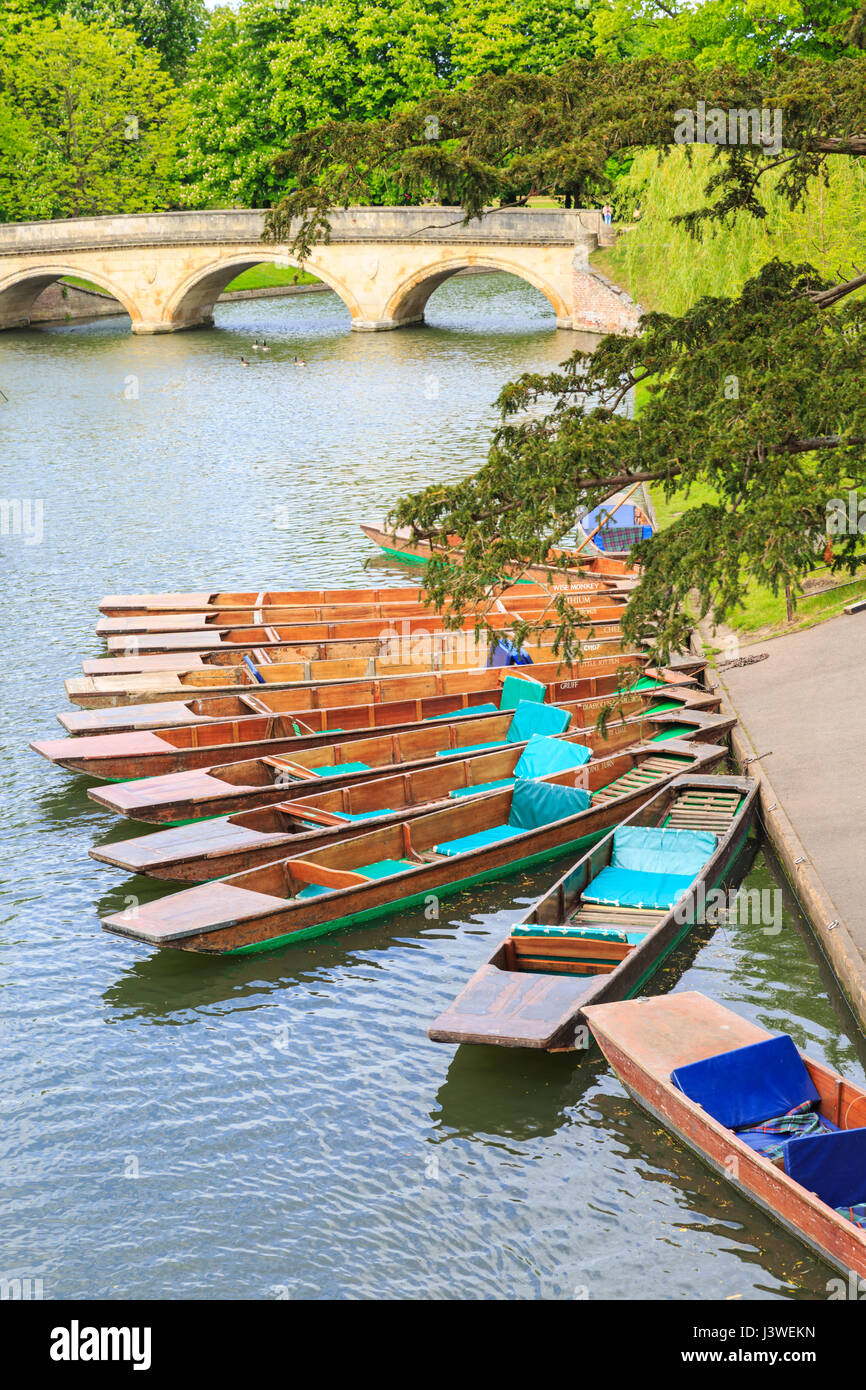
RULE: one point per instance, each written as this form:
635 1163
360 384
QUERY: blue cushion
464 752
362 815
749 1084
543 755
517 688
456 713
479 840
650 850
482 787
504 653
534 804
833 1166
530 718
629 888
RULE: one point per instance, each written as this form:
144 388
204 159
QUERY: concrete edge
836 941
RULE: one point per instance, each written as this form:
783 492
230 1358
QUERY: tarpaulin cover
651 850
504 653
748 1084
544 755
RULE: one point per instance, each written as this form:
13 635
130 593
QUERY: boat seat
364 815
383 868
481 787
338 769
630 888
652 850
833 1166
533 805
528 719
577 933
481 838
469 709
745 1087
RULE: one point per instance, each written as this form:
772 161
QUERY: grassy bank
258 277
664 269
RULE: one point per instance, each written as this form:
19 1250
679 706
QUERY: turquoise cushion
470 748
362 815
455 713
337 769
628 888
312 890
532 719
650 850
478 840
383 867
543 755
579 933
515 689
482 787
534 804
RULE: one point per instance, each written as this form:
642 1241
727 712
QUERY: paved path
807 703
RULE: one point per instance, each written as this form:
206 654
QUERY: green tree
757 397
171 28
95 120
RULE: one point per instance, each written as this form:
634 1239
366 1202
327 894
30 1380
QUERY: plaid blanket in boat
857 1213
619 537
794 1124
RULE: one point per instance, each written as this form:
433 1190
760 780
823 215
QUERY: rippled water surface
279 1125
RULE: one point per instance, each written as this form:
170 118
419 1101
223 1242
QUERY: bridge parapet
168 269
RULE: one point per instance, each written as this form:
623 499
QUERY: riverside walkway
803 711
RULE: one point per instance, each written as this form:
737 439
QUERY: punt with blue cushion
751 1088
533 805
529 718
382 868
650 867
541 757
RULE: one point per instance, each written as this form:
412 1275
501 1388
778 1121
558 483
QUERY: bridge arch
193 300
20 290
408 301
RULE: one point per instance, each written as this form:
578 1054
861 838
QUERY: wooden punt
400 545
372 874
225 845
154 753
476 684
603 930
615 527
374 635
217 678
138 605
649 1040
516 599
236 786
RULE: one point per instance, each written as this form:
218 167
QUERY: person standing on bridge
607 214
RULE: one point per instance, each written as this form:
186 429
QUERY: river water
279 1126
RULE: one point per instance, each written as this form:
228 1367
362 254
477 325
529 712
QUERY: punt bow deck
235 786
603 930
374 873
116 757
787 1131
309 820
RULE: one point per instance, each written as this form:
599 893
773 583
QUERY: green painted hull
580 846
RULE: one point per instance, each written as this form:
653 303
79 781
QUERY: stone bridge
167 270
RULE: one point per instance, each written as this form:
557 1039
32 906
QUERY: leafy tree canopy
95 123
171 28
758 396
